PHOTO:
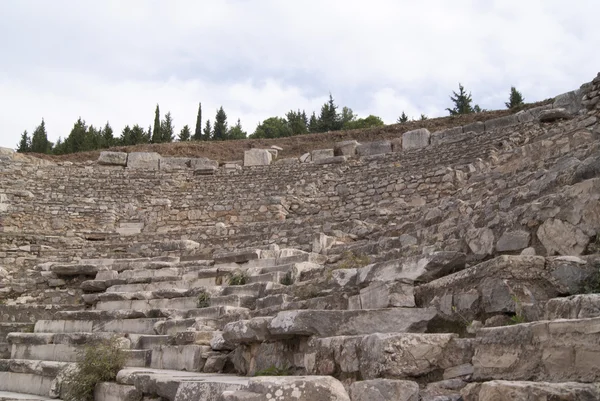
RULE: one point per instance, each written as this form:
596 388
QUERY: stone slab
415 139
113 158
143 160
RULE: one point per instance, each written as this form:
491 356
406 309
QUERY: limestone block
305 158
573 307
562 237
247 331
374 148
199 163
513 241
570 101
298 388
450 135
481 241
326 323
74 269
501 122
478 127
127 229
331 160
384 390
526 391
113 158
525 116
257 157
320 154
548 116
273 152
558 351
345 148
116 392
174 163
397 144
321 243
143 160
415 139
379 295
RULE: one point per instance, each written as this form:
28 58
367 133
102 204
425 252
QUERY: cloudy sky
115 60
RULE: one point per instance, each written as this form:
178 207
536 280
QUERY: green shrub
238 278
99 361
274 371
203 300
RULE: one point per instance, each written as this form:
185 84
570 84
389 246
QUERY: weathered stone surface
300 388
143 160
374 148
380 295
331 160
569 101
326 323
257 157
548 116
175 163
478 127
321 243
319 154
236 257
116 392
561 350
501 122
247 331
512 241
75 270
450 135
573 307
113 158
481 241
394 356
526 391
384 390
562 237
415 139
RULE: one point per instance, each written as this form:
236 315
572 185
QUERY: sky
116 60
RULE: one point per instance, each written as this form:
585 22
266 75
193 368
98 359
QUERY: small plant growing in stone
238 278
203 300
274 371
352 260
287 279
98 362
518 317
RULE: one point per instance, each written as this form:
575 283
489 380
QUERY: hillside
292 146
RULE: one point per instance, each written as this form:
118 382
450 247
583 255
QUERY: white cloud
115 60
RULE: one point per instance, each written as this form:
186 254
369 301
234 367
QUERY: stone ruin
456 265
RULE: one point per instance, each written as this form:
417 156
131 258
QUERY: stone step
556 351
506 284
299 388
146 304
573 307
391 355
175 282
527 390
10 396
175 385
137 326
243 301
25 383
10 327
190 358
273 277
116 392
70 352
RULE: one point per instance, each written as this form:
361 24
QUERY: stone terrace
462 264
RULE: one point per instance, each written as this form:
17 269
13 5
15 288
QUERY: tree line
85 137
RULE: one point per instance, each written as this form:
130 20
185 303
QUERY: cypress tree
207 131
156 135
313 124
220 128
167 130
198 131
24 143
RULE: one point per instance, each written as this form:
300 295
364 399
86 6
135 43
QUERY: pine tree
126 138
24 143
462 102
108 139
424 117
297 122
329 120
313 124
138 135
207 132
198 131
237 132
167 130
184 134
220 128
403 118
515 99
76 141
39 140
156 135
347 116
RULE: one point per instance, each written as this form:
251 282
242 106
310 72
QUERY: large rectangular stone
415 139
557 351
450 135
112 158
25 383
143 160
257 157
501 122
374 148
319 154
